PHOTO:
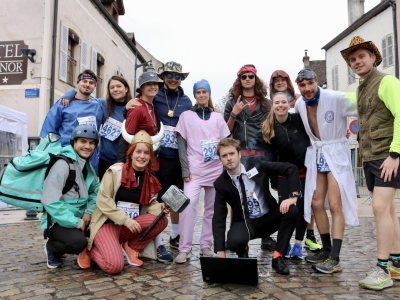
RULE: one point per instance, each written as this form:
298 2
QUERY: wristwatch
394 155
293 195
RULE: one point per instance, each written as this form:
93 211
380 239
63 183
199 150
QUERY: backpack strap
70 182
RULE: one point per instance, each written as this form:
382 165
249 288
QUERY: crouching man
255 212
70 211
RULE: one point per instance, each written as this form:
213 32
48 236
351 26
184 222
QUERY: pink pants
187 218
106 250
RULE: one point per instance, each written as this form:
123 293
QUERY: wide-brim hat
173 67
358 42
146 77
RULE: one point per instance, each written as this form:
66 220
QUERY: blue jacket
63 120
161 112
108 149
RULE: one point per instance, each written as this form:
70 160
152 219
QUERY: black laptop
229 270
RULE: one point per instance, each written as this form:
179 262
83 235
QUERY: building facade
61 38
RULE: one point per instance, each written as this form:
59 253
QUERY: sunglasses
170 76
244 77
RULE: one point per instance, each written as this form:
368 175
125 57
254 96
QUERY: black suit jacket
226 192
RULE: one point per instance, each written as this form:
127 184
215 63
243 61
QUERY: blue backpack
21 182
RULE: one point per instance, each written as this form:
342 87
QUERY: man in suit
259 215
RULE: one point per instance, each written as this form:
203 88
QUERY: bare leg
335 205
396 226
318 200
174 217
382 201
310 225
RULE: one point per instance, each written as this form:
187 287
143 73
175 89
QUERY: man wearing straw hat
379 138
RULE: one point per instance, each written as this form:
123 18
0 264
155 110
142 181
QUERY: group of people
234 157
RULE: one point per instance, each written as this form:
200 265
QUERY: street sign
32 93
353 126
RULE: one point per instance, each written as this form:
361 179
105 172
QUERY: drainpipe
53 54
396 51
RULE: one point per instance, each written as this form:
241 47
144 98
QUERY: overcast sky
212 39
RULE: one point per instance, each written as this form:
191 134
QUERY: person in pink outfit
199 131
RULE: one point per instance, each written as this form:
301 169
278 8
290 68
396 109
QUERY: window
335 78
387 51
71 62
68 45
351 76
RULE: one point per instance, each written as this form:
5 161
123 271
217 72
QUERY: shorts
373 175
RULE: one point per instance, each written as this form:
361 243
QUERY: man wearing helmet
71 211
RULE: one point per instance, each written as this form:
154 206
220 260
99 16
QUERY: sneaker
279 265
319 256
163 255
268 243
297 252
377 280
182 257
131 255
312 244
53 259
83 259
206 252
394 269
288 252
174 242
328 266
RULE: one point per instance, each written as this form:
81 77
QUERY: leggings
283 192
106 250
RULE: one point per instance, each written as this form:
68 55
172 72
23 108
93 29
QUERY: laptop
229 270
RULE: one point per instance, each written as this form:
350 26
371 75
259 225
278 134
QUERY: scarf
151 185
315 100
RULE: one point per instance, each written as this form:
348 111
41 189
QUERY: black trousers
103 166
170 174
283 192
273 221
66 240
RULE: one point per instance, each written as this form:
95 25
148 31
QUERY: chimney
306 60
355 9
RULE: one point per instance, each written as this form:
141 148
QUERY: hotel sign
13 67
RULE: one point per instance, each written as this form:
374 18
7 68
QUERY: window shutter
335 83
84 55
390 50
63 52
384 56
93 67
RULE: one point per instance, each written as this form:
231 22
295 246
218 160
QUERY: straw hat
358 42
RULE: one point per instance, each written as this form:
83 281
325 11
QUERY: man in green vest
379 137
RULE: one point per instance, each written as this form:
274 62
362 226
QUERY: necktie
244 197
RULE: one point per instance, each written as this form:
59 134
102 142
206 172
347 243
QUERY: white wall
373 30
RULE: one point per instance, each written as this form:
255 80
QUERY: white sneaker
377 280
206 252
182 257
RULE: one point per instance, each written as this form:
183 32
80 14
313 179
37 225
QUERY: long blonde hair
267 127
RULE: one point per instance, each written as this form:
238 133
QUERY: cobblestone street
24 274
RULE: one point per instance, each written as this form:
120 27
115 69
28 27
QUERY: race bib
131 209
111 129
169 138
209 148
89 120
253 204
322 165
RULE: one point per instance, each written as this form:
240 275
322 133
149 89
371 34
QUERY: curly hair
110 100
129 158
260 92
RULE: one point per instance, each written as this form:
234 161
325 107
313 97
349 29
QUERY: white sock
158 240
174 230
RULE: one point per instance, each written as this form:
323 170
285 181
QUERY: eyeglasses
177 76
244 77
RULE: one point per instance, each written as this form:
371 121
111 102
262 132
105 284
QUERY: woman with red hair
126 196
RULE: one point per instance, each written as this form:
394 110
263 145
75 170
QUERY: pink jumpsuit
202 137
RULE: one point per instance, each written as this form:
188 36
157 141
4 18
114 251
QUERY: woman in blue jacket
118 94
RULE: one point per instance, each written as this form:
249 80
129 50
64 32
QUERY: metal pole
134 83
